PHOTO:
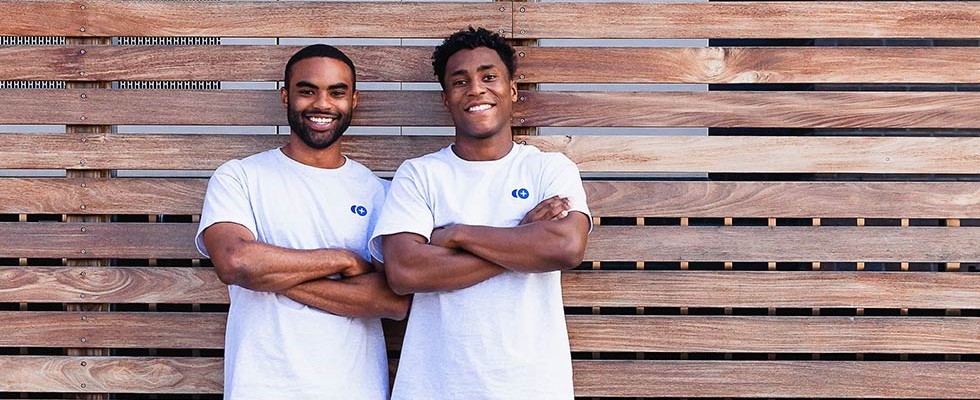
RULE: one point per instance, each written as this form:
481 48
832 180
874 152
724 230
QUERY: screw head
502 9
83 95
83 252
82 162
522 98
84 340
523 120
521 77
83 228
82 7
521 54
82 207
82 29
83 386
82 118
523 31
82 51
84 363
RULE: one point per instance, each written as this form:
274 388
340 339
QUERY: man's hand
552 208
359 266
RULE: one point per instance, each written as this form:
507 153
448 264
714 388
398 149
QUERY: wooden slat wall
789 285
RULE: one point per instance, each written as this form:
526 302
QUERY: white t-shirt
503 338
277 348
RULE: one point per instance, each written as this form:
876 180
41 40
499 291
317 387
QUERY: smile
479 107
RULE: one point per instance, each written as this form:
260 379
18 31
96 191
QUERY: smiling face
479 93
319 100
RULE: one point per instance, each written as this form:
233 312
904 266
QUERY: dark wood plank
783 289
48 374
168 330
250 18
201 152
111 285
224 63
757 334
102 196
825 379
189 107
799 19
79 240
912 155
755 243
606 198
751 109
785 199
750 64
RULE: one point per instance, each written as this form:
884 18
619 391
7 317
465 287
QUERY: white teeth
321 120
480 107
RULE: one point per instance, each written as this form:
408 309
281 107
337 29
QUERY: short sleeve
562 178
227 200
406 209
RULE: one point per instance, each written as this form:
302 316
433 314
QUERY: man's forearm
536 247
268 268
415 267
362 296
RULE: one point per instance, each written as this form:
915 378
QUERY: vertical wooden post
521 86
79 132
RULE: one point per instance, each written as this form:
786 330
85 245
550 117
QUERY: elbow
398 308
571 254
232 268
398 279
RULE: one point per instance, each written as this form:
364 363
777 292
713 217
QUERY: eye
489 78
338 94
459 82
305 92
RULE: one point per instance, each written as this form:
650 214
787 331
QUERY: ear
284 96
513 90
353 100
445 101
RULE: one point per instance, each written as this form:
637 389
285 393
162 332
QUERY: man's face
319 100
479 93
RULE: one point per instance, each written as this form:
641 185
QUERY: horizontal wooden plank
46 374
195 152
607 243
220 63
190 107
606 198
755 243
798 19
250 18
749 64
111 285
743 289
750 109
783 289
904 155
592 109
784 199
112 329
756 334
825 379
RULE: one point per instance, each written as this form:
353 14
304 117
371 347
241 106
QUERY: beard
317 140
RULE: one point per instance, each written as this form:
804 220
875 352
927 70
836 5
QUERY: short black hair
320 50
470 39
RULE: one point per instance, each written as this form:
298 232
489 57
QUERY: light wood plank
111 285
217 107
780 289
751 109
113 329
606 198
250 18
904 155
825 379
799 19
200 152
750 65
784 199
222 63
47 374
758 334
79 240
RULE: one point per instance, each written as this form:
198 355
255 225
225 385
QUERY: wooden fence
809 258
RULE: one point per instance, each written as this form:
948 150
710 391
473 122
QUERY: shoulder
419 165
543 159
362 174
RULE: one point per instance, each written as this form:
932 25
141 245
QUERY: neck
329 158
483 149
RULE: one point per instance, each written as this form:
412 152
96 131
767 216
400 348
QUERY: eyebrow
306 84
479 69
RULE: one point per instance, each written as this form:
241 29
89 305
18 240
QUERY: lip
316 126
467 107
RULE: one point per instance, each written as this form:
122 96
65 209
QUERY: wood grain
111 285
825 379
216 107
800 19
750 109
190 151
47 374
802 244
749 65
169 330
250 18
79 240
784 199
906 155
669 199
757 334
782 289
221 63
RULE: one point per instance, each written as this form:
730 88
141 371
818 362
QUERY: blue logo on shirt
359 210
520 193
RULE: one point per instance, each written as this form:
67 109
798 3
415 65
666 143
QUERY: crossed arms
303 275
459 256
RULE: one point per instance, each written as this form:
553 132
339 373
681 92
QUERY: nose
322 101
476 88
